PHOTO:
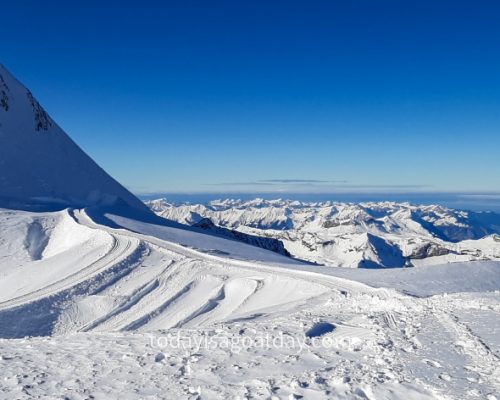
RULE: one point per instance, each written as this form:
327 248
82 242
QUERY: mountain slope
156 307
40 164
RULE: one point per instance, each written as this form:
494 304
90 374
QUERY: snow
127 367
116 303
477 276
352 235
40 166
159 316
201 241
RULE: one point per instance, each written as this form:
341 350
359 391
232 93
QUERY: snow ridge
40 166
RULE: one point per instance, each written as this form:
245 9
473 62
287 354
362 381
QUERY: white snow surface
138 310
101 304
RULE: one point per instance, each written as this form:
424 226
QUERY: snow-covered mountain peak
40 165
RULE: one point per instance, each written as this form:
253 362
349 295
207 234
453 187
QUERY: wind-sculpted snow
113 302
41 168
136 309
61 272
365 235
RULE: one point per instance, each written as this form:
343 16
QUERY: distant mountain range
353 235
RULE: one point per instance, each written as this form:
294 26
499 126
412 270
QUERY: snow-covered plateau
102 299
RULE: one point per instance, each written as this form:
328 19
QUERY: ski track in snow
84 307
206 293
120 250
109 313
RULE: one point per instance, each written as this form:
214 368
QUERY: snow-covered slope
176 313
367 235
40 164
60 272
95 303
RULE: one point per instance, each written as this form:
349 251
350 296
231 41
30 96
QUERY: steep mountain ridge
41 165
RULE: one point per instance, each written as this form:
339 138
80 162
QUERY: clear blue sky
270 95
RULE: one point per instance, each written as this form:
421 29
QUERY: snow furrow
121 249
482 359
145 319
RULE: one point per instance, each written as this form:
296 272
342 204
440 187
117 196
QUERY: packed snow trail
196 288
116 306
143 283
122 248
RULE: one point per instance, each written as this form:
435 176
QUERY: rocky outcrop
258 241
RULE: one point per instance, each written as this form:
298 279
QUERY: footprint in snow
432 363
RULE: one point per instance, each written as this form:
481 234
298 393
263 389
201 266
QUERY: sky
270 96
